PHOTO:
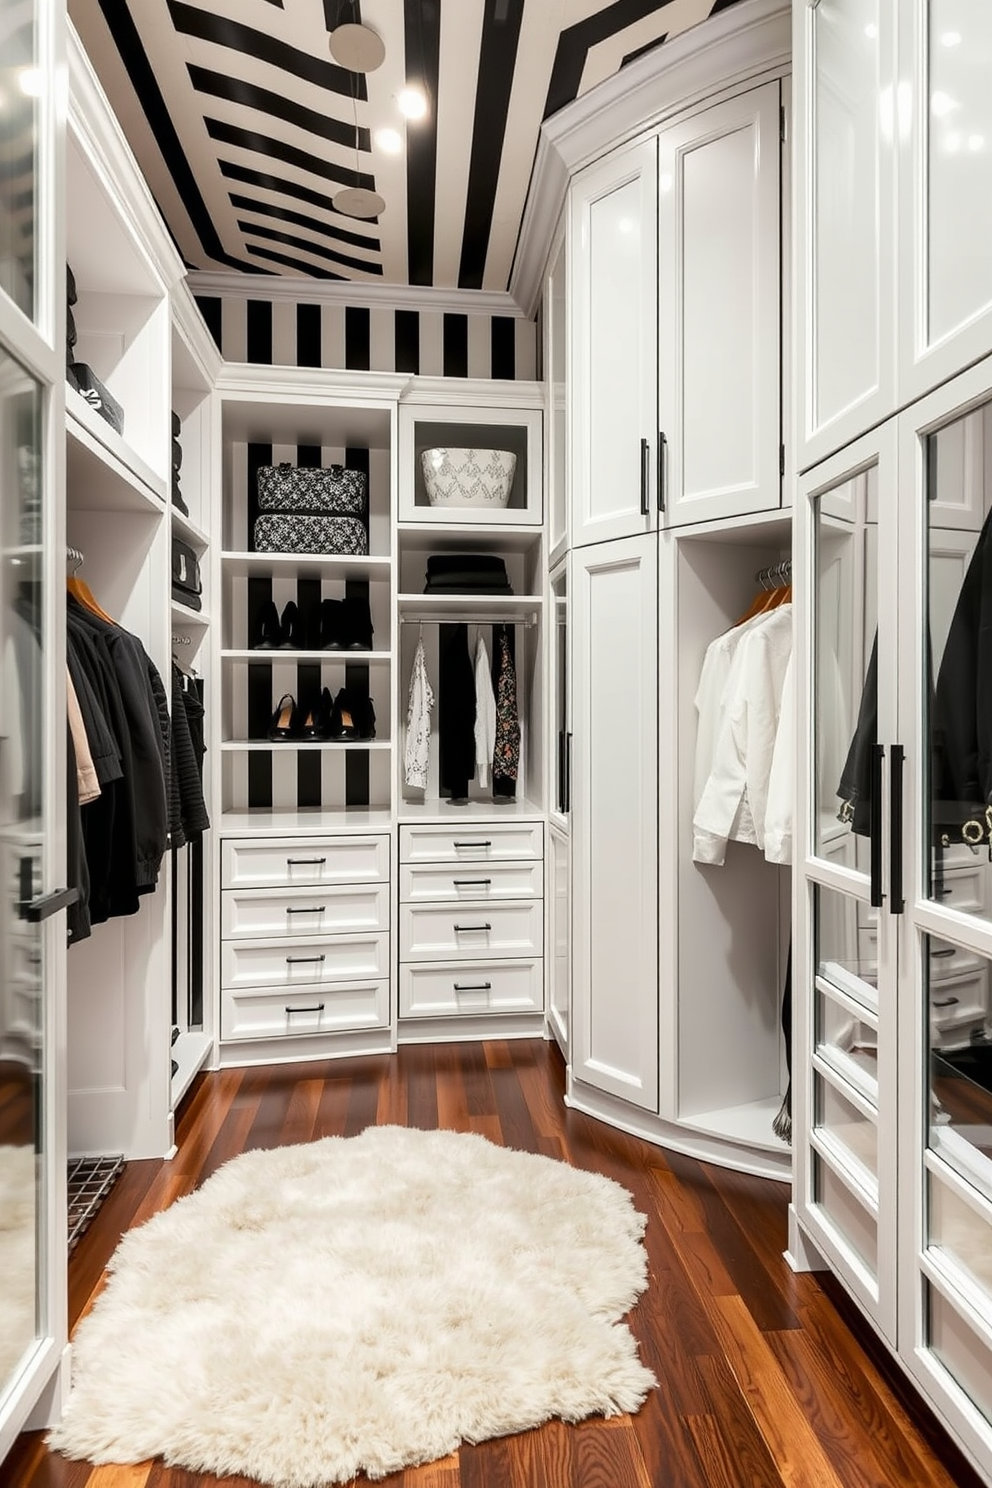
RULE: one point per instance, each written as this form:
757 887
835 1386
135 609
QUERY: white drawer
316 911
492 881
445 932
482 987
299 963
965 888
274 1013
294 862
958 999
481 842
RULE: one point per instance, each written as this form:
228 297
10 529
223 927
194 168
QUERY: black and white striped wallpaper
431 343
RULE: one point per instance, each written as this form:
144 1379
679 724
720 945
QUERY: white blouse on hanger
416 756
485 712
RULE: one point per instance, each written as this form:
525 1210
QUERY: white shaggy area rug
18 1207
360 1304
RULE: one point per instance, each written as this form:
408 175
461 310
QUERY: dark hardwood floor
766 1379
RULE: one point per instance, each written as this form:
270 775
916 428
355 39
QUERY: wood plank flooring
766 1379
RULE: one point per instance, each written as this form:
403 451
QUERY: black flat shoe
285 720
268 631
291 629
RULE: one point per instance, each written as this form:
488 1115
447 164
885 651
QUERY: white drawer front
273 1013
303 963
445 932
293 862
482 987
472 844
318 911
492 881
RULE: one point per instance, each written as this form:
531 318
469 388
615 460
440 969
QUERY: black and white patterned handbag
295 532
315 490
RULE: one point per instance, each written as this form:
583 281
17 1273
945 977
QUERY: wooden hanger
80 590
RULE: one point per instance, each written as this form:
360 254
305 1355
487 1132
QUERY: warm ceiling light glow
413 104
388 140
951 38
940 104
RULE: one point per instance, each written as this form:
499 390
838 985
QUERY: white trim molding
365 293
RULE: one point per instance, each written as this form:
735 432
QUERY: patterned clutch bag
291 532
315 490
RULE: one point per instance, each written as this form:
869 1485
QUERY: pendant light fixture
359 49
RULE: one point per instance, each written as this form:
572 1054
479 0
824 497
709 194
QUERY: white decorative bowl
468 477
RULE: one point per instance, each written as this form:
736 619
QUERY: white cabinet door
559 935
945 270
844 113
719 342
615 833
612 353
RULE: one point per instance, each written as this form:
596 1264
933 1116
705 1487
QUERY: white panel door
615 819
559 935
844 113
945 270
612 375
719 340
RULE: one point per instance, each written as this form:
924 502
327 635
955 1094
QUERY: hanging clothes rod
74 556
182 641
776 573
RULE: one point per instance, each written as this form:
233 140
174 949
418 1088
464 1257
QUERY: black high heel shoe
285 720
316 717
352 717
291 629
268 631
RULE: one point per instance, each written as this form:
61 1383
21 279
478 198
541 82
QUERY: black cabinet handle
314 909
304 960
662 470
313 862
944 951
560 783
37 910
896 902
481 883
568 773
876 897
486 926
942 1002
472 986
317 1008
476 843
645 475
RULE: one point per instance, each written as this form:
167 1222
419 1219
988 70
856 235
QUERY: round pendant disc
356 201
358 48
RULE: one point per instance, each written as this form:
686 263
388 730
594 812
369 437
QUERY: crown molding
96 131
284 384
719 55
297 288
188 323
473 392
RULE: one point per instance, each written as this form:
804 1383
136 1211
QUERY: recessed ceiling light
356 201
358 48
951 38
388 140
413 104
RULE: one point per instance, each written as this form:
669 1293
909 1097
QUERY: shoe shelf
250 746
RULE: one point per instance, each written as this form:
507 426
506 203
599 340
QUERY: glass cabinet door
22 844
21 82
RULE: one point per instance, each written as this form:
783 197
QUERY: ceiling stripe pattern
245 127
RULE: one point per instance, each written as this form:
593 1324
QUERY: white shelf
478 609
183 527
317 820
191 1052
748 1125
450 537
325 658
104 473
253 746
317 565
439 808
185 616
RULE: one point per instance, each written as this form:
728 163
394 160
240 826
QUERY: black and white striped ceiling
245 127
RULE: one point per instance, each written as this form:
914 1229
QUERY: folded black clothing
97 396
70 286
177 455
177 426
440 563
468 584
70 328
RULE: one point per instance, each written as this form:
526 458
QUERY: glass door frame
877 1294
923 917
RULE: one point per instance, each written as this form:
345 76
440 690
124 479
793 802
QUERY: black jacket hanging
455 712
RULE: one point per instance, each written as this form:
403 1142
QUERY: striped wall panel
431 343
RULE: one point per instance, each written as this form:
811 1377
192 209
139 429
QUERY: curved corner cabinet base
741 1157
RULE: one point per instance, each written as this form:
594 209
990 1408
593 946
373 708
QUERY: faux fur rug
363 1303
18 1205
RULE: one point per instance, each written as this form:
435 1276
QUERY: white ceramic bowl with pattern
468 477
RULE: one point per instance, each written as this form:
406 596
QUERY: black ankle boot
291 628
268 631
330 625
357 624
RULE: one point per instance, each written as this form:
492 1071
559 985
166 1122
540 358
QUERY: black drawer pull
318 1007
944 951
940 1002
460 883
314 909
472 986
314 862
476 843
292 960
486 926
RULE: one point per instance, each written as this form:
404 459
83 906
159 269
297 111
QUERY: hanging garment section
135 774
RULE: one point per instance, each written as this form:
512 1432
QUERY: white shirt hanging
781 780
416 755
485 712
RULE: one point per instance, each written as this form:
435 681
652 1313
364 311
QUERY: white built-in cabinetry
674 403
893 945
